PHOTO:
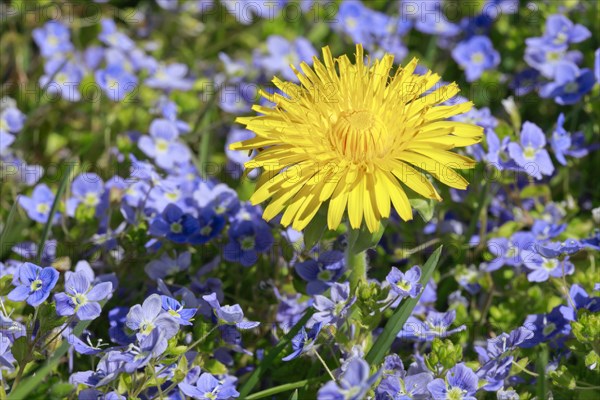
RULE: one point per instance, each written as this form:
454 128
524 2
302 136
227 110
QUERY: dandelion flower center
358 135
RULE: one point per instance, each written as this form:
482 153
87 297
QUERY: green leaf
61 188
361 239
562 377
215 367
315 229
532 191
20 350
396 322
6 284
61 390
270 357
294 395
592 361
425 208
48 317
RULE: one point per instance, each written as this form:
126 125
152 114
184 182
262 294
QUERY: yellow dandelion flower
350 137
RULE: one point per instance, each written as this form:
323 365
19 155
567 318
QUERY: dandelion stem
357 264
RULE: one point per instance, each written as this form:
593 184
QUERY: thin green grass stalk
396 322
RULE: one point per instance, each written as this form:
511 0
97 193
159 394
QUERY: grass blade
396 322
279 389
46 232
9 220
266 362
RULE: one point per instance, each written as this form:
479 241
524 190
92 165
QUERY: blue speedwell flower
397 383
174 224
113 38
354 382
106 371
582 300
322 272
170 77
52 39
81 297
182 315
38 205
436 324
81 347
542 268
11 122
334 310
33 284
162 144
496 360
210 388
548 326
136 357
116 81
461 383
283 53
570 84
229 315
165 265
560 142
475 56
210 224
304 342
249 235
560 31
89 192
150 316
546 59
62 77
530 154
436 23
405 284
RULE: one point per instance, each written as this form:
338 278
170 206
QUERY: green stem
357 264
278 389
325 366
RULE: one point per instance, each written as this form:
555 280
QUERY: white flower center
91 199
43 208
477 57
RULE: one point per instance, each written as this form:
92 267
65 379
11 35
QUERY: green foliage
444 353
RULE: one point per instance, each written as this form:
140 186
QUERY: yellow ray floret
352 137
